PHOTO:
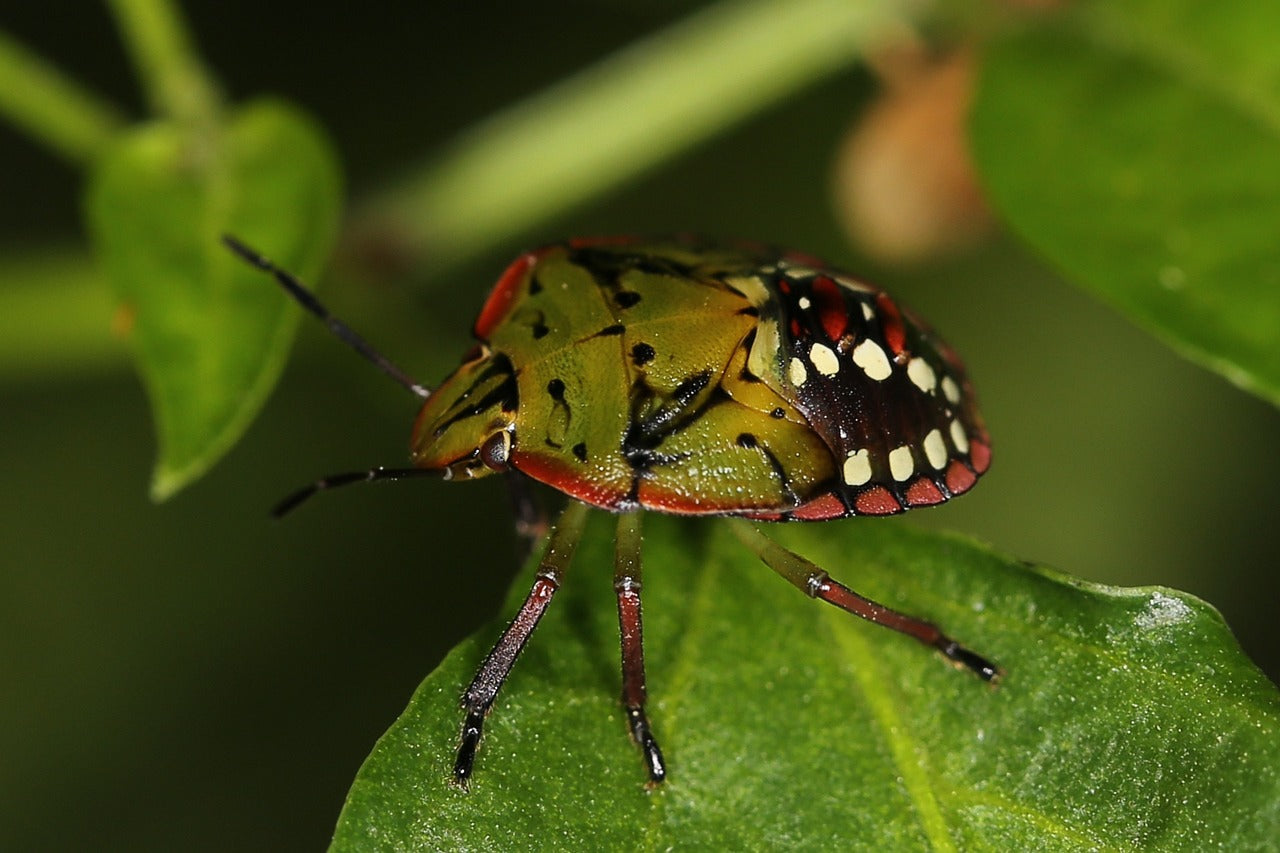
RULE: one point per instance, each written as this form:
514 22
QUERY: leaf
210 334
1127 718
1136 145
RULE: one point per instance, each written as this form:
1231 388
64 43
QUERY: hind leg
816 583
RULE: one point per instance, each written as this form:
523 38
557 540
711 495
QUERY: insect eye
496 450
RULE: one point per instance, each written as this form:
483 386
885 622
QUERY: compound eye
496 450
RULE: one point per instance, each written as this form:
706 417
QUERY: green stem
38 99
55 317
628 113
586 135
177 84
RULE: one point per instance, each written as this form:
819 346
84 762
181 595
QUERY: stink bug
694 379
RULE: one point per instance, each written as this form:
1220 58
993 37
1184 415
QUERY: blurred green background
193 676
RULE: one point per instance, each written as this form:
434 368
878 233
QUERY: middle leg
626 583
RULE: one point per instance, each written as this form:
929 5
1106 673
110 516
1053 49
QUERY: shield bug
688 378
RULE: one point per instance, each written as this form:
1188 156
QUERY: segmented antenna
307 300
333 481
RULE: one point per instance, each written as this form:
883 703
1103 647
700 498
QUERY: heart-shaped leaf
1136 144
209 333
1127 718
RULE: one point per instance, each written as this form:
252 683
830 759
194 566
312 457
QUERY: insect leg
484 688
816 583
626 583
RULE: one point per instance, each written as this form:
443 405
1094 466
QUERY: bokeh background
193 676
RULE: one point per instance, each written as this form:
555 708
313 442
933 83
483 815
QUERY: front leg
484 688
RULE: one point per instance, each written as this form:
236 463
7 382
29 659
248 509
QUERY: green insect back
632 381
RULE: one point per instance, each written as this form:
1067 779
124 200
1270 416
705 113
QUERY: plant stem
37 98
626 114
55 317
177 84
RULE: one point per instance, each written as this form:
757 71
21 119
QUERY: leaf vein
683 670
906 752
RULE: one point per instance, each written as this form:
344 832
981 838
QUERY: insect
686 378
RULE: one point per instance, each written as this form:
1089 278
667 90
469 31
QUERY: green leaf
210 334
1127 718
1136 144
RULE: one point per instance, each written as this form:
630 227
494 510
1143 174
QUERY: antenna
333 481
308 300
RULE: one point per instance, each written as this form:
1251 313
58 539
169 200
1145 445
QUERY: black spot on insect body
749 311
784 480
748 441
646 458
556 389
747 343
532 319
642 354
510 396
505 394
778 413
609 264
580 451
626 298
610 331
650 426
691 387
658 265
535 286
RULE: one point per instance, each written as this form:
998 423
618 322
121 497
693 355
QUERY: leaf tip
166 482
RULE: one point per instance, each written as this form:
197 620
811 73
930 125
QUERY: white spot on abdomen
958 438
852 284
857 468
935 449
901 465
797 372
922 375
797 270
950 390
871 358
824 359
